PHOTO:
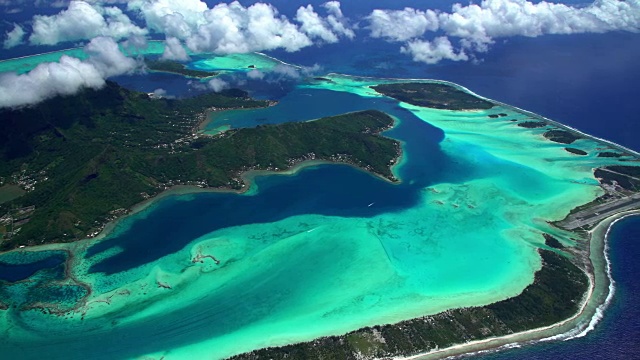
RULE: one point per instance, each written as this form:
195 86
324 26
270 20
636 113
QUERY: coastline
589 303
206 119
248 177
186 76
593 305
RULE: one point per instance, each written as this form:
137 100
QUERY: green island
609 154
576 151
174 67
82 169
433 95
561 136
532 124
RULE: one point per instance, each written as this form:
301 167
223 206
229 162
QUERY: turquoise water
322 252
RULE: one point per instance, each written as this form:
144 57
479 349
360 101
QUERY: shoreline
598 237
592 307
206 117
248 177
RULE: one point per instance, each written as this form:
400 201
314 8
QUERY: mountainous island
85 160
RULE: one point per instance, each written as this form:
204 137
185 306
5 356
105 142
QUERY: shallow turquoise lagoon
321 252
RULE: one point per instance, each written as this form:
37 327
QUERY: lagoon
327 250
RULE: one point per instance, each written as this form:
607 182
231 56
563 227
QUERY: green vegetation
86 159
10 192
174 67
609 154
554 296
561 136
552 242
78 156
627 177
575 151
532 124
439 96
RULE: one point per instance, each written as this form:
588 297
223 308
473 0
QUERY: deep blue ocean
587 81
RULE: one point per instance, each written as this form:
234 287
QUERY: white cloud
431 52
135 44
14 37
339 23
82 21
232 28
160 92
65 77
48 80
217 85
177 18
313 25
327 29
225 28
401 25
255 74
174 50
502 18
477 25
107 58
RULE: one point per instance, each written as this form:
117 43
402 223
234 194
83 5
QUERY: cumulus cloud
255 74
107 58
65 77
160 92
339 23
217 85
172 17
81 21
224 28
477 25
174 50
233 28
14 37
432 52
314 26
402 25
502 18
327 29
135 44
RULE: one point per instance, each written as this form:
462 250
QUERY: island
576 151
82 169
433 95
174 67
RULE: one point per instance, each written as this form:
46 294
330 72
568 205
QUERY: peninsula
87 159
174 67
